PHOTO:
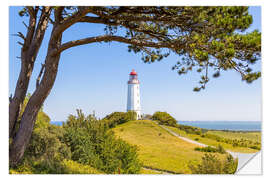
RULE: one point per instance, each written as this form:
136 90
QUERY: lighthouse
133 98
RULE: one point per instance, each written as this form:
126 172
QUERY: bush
255 147
206 149
72 167
190 129
46 148
117 118
235 142
212 165
219 149
164 118
92 143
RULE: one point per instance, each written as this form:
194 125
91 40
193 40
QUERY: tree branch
19 34
40 74
31 27
20 43
58 14
25 25
99 20
107 38
82 11
10 98
42 24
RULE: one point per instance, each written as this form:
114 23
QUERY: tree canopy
203 37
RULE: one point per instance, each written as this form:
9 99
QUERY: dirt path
158 170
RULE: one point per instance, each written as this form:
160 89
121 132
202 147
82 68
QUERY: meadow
254 137
157 148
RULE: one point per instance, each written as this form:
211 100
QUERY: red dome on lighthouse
133 72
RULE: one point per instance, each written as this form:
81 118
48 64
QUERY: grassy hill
250 136
157 148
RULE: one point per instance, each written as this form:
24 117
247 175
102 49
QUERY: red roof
133 72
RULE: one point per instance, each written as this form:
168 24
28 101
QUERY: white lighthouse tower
133 99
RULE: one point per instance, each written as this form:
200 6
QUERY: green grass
157 148
254 136
68 167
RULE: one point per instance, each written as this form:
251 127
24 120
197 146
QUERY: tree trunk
20 93
34 104
29 51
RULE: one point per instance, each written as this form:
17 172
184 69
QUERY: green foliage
204 37
164 118
230 165
235 142
190 129
116 118
46 143
92 143
212 165
25 167
219 149
64 167
207 38
82 145
46 149
72 167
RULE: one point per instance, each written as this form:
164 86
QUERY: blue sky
94 77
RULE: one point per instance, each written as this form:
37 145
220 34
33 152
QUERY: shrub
206 149
235 142
130 116
117 118
219 149
46 148
212 165
190 129
164 118
72 167
255 147
25 167
92 143
230 165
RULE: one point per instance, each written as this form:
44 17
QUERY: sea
58 123
226 125
214 125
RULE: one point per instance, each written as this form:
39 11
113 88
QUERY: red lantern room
133 77
133 72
